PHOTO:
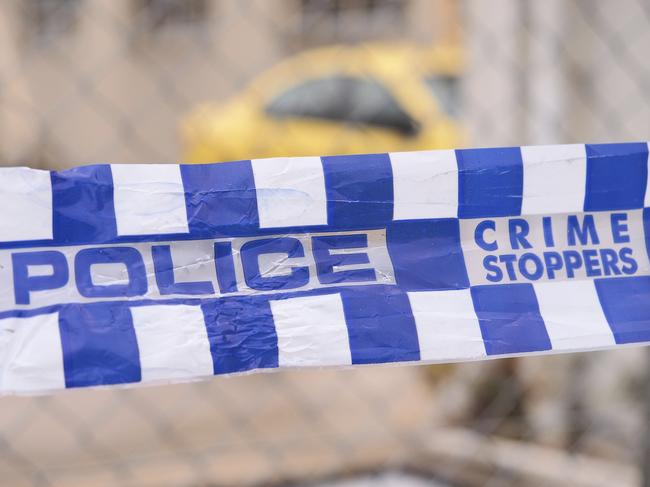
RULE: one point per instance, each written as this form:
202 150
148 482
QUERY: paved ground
387 479
232 430
298 426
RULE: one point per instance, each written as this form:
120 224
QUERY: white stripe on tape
173 342
573 315
31 358
646 201
26 203
425 184
149 199
311 331
290 191
447 325
554 179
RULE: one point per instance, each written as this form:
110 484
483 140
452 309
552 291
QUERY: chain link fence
85 81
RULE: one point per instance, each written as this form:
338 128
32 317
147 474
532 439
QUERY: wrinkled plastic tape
117 274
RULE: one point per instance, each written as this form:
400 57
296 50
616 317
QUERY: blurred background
95 81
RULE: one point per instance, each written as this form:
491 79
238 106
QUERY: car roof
378 59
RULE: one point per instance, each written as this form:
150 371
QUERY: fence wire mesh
93 81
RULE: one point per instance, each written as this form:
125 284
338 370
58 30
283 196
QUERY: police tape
117 274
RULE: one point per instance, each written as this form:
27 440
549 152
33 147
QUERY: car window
317 98
446 91
371 103
346 99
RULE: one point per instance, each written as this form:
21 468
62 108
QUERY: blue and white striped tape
114 274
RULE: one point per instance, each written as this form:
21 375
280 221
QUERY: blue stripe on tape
380 325
510 319
427 255
220 198
616 176
490 182
359 190
82 200
241 334
99 344
626 304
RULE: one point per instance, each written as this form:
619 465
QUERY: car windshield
351 99
446 91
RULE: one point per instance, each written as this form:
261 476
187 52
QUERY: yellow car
335 100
